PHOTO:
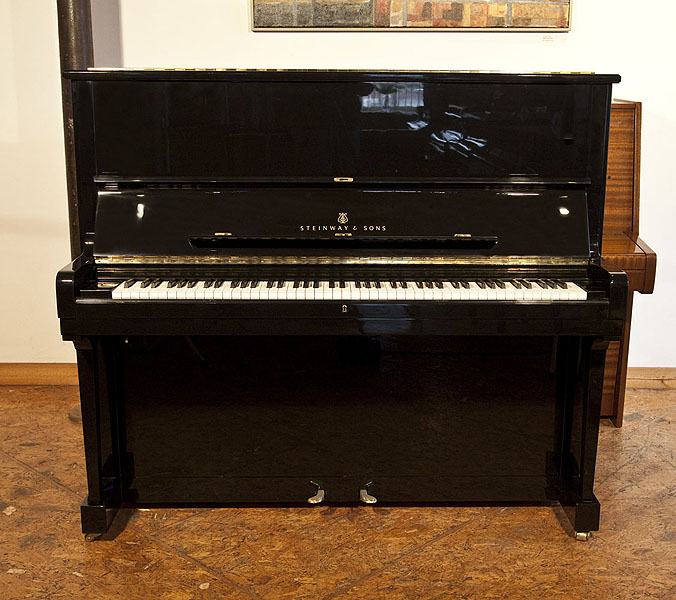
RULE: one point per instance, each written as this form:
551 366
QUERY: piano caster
583 536
365 497
92 537
319 497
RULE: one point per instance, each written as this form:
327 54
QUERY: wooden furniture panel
622 248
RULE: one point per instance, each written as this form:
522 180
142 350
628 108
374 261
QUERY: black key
269 284
316 284
332 284
500 284
208 283
181 283
490 284
481 284
551 284
562 284
296 284
455 284
367 285
246 284
393 284
419 284
280 283
439 285
156 283
218 283
516 283
342 284
403 284
129 283
172 283
527 284
255 284
357 284
465 284
235 284
541 283
146 282
428 284
377 285
192 284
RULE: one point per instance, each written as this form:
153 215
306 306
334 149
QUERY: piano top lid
235 74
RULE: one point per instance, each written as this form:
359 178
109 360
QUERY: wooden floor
336 553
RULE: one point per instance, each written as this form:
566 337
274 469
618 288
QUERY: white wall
33 206
607 36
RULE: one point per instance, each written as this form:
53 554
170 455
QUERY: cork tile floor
333 553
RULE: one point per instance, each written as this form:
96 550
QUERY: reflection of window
394 97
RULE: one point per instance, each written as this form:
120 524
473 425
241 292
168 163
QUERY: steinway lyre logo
342 218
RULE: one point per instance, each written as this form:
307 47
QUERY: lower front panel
268 419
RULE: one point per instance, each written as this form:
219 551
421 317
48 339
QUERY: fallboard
232 224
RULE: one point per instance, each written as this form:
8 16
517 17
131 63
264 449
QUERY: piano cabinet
622 246
393 419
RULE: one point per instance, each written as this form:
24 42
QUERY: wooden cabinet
622 247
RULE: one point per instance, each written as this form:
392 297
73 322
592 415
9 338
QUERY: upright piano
312 287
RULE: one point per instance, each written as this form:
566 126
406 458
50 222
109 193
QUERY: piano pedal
319 497
583 536
365 497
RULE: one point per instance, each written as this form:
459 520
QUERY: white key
363 292
222 292
273 294
491 293
144 293
255 291
323 291
336 292
199 290
390 292
287 292
264 292
118 292
576 292
382 291
372 291
181 292
409 292
208 291
474 291
134 292
437 293
160 292
189 292
171 292
236 293
355 292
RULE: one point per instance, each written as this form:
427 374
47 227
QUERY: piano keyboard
489 289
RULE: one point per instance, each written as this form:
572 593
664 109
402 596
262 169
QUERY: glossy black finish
213 402
300 222
376 128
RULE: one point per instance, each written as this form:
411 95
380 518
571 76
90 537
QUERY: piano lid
259 225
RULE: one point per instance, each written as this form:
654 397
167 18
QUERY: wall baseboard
651 378
38 374
66 374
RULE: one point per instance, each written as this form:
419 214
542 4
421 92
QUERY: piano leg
581 430
99 432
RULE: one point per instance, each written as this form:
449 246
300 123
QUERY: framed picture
407 15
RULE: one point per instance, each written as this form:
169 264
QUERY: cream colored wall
33 215
606 36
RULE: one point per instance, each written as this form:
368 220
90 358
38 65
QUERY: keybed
518 289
